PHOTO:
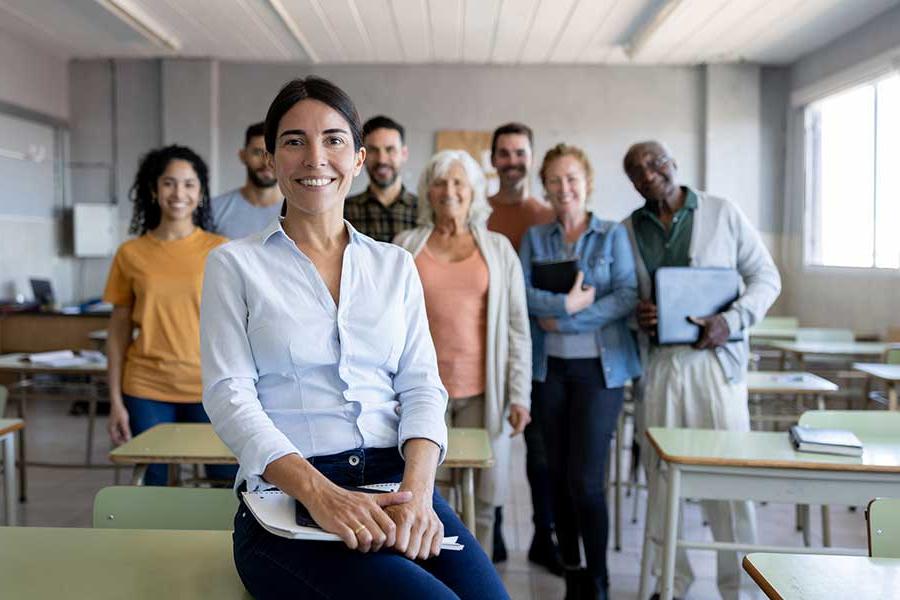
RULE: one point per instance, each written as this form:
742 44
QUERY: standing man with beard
386 207
249 208
514 211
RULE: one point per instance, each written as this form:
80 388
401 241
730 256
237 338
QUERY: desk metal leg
644 586
21 405
9 477
468 498
92 417
892 395
137 478
620 430
673 496
826 526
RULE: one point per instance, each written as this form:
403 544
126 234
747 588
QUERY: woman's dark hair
314 88
147 214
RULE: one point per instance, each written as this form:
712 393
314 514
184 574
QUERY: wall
34 90
603 109
860 299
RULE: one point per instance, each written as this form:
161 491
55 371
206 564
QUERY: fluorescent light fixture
135 18
285 17
639 40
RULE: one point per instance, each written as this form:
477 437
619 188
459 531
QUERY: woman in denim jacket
583 354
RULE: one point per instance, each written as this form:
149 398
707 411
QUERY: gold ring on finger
358 529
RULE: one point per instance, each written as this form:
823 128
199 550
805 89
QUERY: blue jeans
144 413
578 415
276 567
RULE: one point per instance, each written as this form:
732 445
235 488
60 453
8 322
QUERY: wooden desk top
10 425
879 370
767 449
101 564
14 363
787 382
836 348
190 443
812 576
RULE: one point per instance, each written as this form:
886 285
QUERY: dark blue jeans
144 413
276 567
537 471
578 414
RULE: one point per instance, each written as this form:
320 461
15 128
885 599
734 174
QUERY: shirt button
354 460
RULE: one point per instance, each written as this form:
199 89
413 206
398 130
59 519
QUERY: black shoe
656 596
544 552
575 580
589 588
500 554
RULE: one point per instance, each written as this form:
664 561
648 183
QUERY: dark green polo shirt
661 248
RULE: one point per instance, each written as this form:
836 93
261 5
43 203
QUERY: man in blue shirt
248 209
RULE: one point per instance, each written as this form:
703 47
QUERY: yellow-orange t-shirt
161 281
514 220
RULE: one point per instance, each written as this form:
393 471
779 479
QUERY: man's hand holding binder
714 331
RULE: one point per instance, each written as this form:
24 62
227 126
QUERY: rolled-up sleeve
423 399
230 374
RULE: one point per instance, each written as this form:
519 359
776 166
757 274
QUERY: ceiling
440 31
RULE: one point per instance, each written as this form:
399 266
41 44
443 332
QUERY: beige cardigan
508 373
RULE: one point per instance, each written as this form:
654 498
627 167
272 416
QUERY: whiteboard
29 186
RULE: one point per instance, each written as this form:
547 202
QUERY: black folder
683 292
557 276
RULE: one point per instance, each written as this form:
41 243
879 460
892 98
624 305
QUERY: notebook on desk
683 292
825 441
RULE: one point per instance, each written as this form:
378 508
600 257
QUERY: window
853 185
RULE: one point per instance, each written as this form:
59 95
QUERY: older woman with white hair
478 316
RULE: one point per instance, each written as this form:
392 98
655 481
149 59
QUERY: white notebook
274 510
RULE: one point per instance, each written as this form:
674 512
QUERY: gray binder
683 292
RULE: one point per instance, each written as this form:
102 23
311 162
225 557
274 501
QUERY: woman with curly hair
154 284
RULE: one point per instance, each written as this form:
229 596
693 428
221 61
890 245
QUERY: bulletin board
27 168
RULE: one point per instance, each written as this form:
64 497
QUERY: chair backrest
863 423
4 394
812 334
891 356
152 507
883 527
779 323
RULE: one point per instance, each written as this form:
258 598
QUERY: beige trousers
490 484
684 387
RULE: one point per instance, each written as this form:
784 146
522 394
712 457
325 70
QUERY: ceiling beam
292 27
642 36
135 18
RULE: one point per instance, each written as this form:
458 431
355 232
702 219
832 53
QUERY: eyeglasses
655 165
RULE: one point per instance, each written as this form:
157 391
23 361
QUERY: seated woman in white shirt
319 372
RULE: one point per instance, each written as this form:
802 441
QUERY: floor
62 497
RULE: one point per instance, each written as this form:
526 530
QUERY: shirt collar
690 203
594 224
275 228
405 197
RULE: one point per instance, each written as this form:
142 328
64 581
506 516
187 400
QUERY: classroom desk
8 429
889 374
849 350
110 564
15 364
772 333
809 576
760 466
194 443
788 383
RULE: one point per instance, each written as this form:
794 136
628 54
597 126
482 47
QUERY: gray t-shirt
235 218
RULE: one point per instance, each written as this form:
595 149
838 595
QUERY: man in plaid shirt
386 207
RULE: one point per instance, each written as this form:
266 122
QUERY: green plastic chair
152 507
819 334
779 323
863 423
883 520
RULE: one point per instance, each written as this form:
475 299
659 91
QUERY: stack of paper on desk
274 510
58 358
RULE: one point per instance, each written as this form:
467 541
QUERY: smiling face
385 156
652 171
567 187
450 194
512 158
314 159
253 155
178 191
